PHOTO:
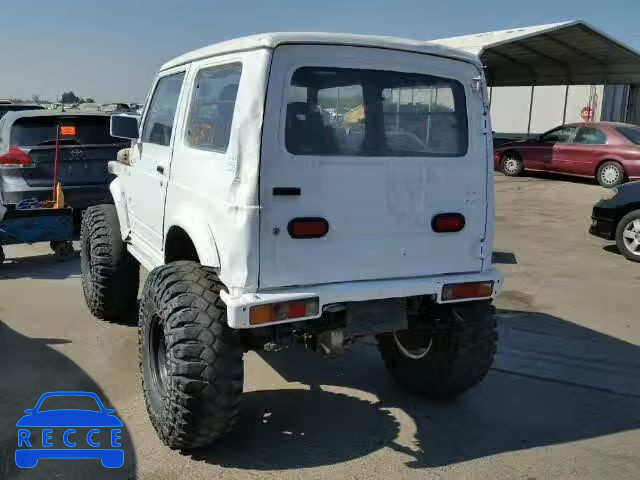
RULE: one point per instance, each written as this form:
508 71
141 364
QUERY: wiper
62 140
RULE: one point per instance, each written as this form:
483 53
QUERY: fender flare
120 202
201 234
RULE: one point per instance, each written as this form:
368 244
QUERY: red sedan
608 152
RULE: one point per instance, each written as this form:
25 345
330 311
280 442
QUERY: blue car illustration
36 433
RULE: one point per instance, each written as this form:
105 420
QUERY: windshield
631 133
41 131
358 112
69 402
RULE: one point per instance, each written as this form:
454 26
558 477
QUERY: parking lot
562 399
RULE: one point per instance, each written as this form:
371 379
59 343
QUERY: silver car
27 154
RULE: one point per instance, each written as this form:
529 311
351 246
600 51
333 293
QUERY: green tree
70 97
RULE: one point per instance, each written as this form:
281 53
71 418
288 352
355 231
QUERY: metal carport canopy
567 53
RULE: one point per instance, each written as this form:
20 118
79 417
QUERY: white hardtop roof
272 40
572 52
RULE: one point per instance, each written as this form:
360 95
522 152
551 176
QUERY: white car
262 226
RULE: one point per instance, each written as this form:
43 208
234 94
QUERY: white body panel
379 209
214 196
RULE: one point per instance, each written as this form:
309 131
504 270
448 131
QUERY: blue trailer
31 225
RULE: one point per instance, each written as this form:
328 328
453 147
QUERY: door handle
160 169
286 191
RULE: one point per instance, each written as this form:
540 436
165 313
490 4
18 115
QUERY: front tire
610 174
449 361
190 360
511 164
110 275
628 236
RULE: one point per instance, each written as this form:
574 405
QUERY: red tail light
308 227
448 222
15 156
276 312
460 291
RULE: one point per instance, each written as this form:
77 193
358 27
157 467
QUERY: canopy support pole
566 97
530 109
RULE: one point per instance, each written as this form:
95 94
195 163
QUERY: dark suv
27 153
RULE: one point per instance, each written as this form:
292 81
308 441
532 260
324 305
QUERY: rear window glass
41 131
632 134
358 112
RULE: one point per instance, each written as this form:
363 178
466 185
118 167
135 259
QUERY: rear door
85 148
582 153
548 152
376 143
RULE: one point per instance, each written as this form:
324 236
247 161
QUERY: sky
110 50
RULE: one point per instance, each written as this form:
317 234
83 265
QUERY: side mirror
29 411
124 126
109 411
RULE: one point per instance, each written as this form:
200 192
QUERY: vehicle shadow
560 177
32 367
552 382
45 266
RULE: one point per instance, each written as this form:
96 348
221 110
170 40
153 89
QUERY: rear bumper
238 306
77 197
603 228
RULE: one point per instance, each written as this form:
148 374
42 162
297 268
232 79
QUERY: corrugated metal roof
563 53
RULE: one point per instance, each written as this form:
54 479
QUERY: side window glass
590 136
158 124
212 107
559 135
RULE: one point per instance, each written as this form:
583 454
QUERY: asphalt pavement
561 401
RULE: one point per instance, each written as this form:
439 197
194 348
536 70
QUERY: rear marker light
15 156
459 291
277 312
308 227
448 222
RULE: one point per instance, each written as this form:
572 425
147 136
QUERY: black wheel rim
158 356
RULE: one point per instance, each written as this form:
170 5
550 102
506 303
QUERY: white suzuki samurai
299 188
